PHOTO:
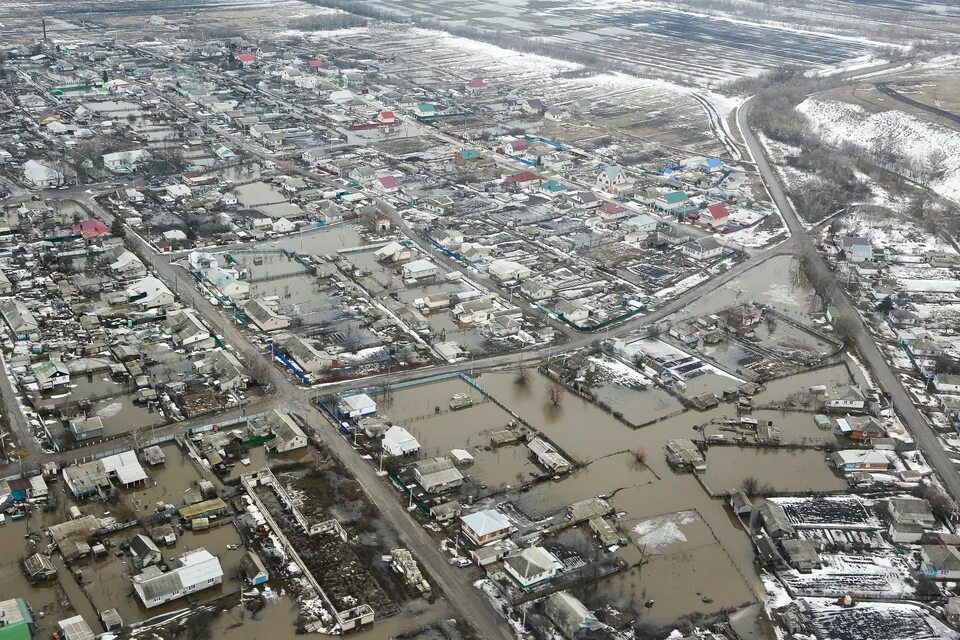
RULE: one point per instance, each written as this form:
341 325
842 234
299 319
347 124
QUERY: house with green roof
15 620
675 202
467 155
552 187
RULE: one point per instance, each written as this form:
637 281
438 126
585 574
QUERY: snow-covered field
922 144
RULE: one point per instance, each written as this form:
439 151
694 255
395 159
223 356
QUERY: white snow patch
662 531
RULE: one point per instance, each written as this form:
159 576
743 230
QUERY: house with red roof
388 184
314 63
715 215
612 210
246 58
525 180
387 117
476 85
91 228
513 147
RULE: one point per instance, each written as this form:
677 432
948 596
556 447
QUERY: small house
532 566
485 526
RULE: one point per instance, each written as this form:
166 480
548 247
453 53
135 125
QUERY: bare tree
555 394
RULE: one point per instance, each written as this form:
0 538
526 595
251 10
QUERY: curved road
861 338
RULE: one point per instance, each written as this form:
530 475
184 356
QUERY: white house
703 248
419 269
532 566
283 226
611 178
40 175
641 225
485 526
357 405
288 436
150 293
504 270
125 161
397 441
197 570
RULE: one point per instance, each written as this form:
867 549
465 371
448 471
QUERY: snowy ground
656 533
919 142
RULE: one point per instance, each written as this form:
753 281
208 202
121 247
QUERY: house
397 441
740 503
19 319
572 311
197 570
774 519
612 211
940 562
50 374
75 628
505 270
445 512
524 180
849 398
393 252
187 331
715 215
611 179
673 202
15 620
91 228
485 526
310 360
640 225
857 249
282 225
288 436
356 406
419 269
711 164
802 555
228 284
87 428
548 456
125 161
532 566
263 314
912 511
903 318
388 184
437 475
703 248
473 311
97 476
860 428
860 460
144 551
246 59
569 615
38 567
513 147
946 383
536 290
40 175
150 293
253 568
128 266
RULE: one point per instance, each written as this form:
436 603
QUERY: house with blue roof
711 164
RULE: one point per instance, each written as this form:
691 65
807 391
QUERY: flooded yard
780 469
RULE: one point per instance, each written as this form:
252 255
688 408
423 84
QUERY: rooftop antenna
44 22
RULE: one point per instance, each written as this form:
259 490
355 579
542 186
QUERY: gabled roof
486 522
389 182
718 211
523 176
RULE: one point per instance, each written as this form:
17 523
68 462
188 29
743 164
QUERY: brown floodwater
782 469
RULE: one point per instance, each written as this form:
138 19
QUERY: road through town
861 338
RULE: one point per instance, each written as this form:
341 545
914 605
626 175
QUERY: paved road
864 342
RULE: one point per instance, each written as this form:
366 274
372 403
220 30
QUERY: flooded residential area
506 320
